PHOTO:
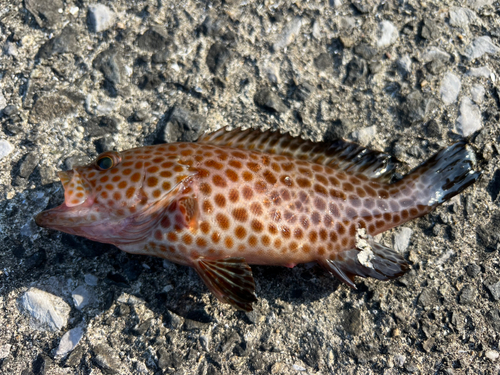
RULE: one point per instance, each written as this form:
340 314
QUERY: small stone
481 46
434 53
473 270
388 34
70 340
65 42
3 103
101 126
494 290
36 260
357 70
181 126
29 164
492 355
399 360
5 350
416 107
47 310
468 295
304 91
168 359
269 100
477 93
48 108
488 234
10 110
364 135
288 34
404 65
323 61
428 298
461 17
434 129
364 6
81 297
90 279
46 12
482 71
5 148
106 358
217 57
154 39
430 29
109 62
402 240
353 322
450 88
469 120
365 51
100 18
428 344
478 4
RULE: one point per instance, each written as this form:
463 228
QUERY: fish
242 197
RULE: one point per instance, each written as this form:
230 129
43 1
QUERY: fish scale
237 198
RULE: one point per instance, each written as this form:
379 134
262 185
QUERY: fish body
239 198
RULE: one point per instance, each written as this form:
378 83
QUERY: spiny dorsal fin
338 154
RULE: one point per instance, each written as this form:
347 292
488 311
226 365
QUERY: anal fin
379 262
230 280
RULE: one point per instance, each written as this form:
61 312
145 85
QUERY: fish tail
446 174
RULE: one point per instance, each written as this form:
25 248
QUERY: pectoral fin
379 262
230 280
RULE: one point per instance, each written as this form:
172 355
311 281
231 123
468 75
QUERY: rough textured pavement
406 77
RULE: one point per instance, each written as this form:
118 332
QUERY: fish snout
76 188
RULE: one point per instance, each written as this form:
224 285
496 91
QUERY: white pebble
469 120
462 17
91 279
388 34
101 17
288 34
47 310
69 341
5 351
402 239
482 71
81 297
477 93
5 148
492 355
450 88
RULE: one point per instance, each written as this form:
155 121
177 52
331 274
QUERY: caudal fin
446 174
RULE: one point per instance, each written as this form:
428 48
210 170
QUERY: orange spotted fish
246 197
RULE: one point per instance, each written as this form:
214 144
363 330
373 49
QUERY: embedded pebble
450 88
402 239
100 18
461 17
388 34
477 93
288 34
404 65
494 290
469 120
3 101
482 71
81 297
479 47
434 53
5 148
91 279
70 340
5 350
365 135
492 355
47 310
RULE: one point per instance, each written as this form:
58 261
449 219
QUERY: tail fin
446 174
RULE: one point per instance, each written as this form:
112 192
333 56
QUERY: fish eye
107 161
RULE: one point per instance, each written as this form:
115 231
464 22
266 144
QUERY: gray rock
65 42
430 29
428 298
493 317
434 53
488 235
181 126
5 148
357 70
100 18
468 295
101 126
478 4
450 88
3 102
462 17
217 57
365 51
353 322
434 129
167 359
109 62
290 31
387 34
416 107
482 71
69 341
477 93
106 359
47 310
323 61
91 280
46 12
269 100
29 164
480 46
494 289
436 67
49 107
338 129
10 110
81 297
154 39
402 240
364 135
364 6
473 270
469 120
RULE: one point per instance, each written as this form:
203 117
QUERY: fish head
106 198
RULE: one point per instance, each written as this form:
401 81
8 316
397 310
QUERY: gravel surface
405 77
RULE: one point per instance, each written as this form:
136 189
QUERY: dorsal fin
338 154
